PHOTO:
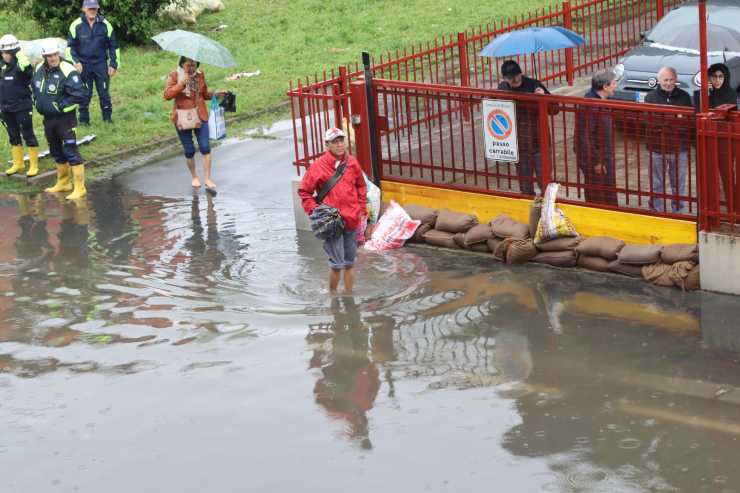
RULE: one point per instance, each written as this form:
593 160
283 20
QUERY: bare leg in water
349 280
191 166
207 171
334 276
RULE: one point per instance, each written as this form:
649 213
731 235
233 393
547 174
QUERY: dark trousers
20 123
530 164
201 135
96 74
60 134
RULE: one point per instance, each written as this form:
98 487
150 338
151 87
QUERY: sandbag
501 249
693 280
520 251
480 233
493 244
598 264
392 230
440 239
426 215
630 270
657 274
563 258
680 272
454 222
479 247
639 254
418 236
559 244
535 212
680 252
553 222
600 246
459 239
505 227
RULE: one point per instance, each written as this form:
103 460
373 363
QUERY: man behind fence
530 162
667 143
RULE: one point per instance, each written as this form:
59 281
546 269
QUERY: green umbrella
196 47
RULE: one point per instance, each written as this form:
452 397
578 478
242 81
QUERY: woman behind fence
187 86
594 142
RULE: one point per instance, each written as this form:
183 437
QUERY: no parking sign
499 121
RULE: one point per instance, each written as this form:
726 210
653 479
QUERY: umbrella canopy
532 40
196 47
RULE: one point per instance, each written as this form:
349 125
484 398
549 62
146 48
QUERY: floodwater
157 342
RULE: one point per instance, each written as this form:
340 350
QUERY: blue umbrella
532 40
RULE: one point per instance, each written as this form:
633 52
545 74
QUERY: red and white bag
394 227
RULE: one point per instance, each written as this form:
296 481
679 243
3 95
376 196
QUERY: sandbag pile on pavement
512 242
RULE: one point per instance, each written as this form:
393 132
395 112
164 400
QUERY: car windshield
680 28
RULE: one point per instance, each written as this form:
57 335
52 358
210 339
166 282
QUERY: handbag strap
330 184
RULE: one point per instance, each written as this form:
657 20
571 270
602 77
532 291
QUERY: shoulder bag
326 221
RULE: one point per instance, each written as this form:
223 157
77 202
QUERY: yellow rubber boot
33 158
78 178
16 152
64 180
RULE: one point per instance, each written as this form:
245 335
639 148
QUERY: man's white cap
334 133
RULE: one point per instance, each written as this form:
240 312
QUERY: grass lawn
283 39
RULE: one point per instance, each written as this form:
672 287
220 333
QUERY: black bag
228 102
326 222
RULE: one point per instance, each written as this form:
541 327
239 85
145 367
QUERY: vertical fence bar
659 10
462 50
568 24
545 154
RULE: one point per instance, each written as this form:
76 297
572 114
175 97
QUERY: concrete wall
719 257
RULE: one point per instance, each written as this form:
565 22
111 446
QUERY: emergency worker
16 105
94 49
58 90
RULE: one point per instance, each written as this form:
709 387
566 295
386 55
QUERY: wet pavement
159 341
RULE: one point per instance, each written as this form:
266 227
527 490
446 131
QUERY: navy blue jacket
15 84
93 45
59 90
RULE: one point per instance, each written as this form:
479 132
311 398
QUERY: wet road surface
160 341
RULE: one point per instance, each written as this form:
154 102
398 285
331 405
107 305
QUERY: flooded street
157 341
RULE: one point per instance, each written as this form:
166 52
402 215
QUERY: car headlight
619 70
697 79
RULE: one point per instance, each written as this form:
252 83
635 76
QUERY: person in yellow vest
58 90
16 106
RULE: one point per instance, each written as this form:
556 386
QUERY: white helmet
49 47
9 43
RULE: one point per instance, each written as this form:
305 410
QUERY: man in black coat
668 143
527 117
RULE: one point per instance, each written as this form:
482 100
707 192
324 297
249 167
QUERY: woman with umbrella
187 87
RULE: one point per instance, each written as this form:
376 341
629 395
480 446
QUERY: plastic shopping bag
553 223
373 200
216 121
394 228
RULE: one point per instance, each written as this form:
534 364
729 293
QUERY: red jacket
348 195
175 90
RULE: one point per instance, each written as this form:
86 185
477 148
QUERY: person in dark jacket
721 93
16 106
57 91
594 142
94 49
527 125
668 143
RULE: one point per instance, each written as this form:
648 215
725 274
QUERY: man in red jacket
348 196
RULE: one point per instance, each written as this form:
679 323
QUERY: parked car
674 41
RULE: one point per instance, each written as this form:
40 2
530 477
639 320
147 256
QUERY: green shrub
134 21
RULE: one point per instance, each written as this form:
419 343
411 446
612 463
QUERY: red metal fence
611 28
609 154
719 153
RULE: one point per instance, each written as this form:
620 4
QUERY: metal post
545 154
659 10
462 49
359 121
568 24
703 48
372 123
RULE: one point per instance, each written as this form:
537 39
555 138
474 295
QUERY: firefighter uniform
57 93
96 48
16 110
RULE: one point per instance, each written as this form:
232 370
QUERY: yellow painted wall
632 228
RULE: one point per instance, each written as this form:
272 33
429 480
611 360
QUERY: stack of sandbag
598 252
426 216
447 225
632 258
678 266
512 242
